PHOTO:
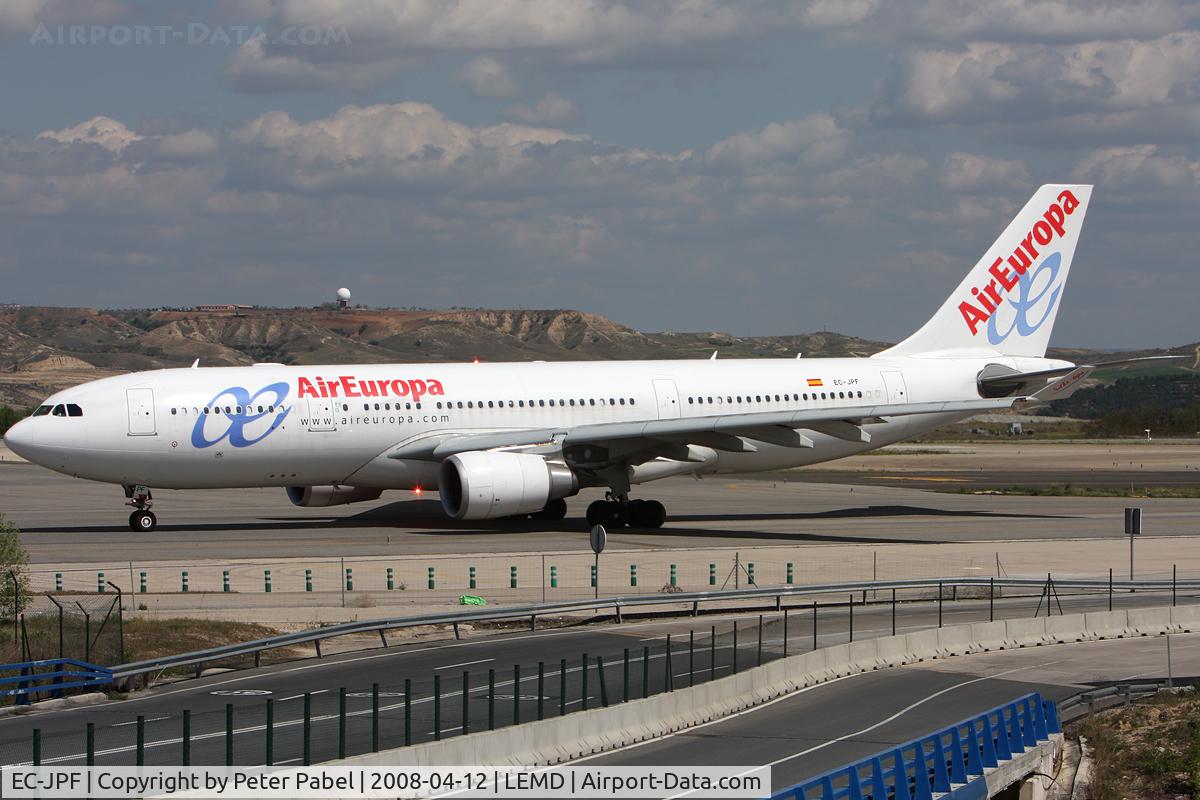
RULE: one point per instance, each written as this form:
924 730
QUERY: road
829 725
286 684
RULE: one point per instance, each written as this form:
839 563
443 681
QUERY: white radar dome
343 294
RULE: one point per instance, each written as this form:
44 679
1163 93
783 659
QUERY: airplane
515 439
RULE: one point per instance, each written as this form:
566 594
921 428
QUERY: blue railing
51 675
935 763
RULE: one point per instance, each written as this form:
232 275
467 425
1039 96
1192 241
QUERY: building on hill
236 309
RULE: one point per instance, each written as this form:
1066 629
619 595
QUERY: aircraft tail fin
1007 303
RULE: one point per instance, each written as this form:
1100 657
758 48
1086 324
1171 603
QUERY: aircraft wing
670 437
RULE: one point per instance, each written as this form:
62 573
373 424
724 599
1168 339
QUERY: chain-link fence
85 627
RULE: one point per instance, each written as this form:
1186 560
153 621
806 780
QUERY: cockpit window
74 410
42 411
59 411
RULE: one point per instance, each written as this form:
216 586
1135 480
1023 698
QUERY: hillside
44 349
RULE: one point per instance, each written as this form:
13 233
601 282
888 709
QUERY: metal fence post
342 722
407 712
541 707
1174 577
852 618
91 744
229 734
645 672
712 653
466 707
603 685
669 677
760 627
939 604
37 747
307 754
1110 588
186 738
991 599
437 708
785 632
583 678
814 624
375 717
270 727
139 753
735 647
691 658
625 675
491 699
562 687
516 694
893 612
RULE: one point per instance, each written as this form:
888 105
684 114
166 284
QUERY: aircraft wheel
606 513
554 511
647 514
143 521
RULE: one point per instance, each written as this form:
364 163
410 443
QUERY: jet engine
321 496
487 485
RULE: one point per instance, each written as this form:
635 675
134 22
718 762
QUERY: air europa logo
241 417
349 386
1016 274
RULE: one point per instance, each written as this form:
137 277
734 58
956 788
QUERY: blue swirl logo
1026 298
237 412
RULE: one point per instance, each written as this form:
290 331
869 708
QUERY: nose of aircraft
19 439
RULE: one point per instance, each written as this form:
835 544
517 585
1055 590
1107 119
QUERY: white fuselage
272 425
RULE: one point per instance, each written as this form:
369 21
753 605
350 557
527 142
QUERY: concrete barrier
582 733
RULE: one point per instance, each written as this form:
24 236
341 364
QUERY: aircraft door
322 414
893 384
140 404
668 398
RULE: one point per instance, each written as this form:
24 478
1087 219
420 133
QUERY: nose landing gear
616 511
142 519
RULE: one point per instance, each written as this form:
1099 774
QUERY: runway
60 515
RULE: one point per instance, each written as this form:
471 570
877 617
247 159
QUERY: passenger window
758 398
632 401
612 401
592 401
542 403
459 404
622 401
470 404
572 401
173 412
552 404
691 401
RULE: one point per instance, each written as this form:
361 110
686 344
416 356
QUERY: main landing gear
619 511
142 519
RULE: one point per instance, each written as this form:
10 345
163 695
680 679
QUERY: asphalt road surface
64 519
693 657
832 724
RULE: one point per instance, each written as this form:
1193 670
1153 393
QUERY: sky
752 167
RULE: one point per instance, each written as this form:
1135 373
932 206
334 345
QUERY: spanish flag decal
815 382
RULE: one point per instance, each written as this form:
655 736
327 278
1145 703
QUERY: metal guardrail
955 755
618 605
56 675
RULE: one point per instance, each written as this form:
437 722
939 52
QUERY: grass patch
155 638
1150 750
1067 490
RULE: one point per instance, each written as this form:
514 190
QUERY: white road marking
464 664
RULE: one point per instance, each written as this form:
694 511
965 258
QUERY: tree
9 417
14 560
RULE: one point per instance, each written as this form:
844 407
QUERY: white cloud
487 77
104 131
970 172
1138 166
384 36
812 140
1028 83
552 109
